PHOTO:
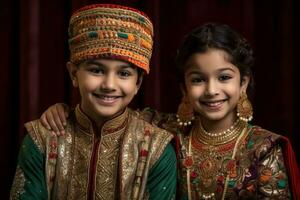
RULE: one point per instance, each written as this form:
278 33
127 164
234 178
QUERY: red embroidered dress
264 165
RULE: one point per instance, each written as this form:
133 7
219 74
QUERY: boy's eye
124 73
224 77
96 70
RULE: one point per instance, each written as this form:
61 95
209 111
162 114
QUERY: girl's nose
212 88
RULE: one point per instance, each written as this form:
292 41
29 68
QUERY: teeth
214 103
108 98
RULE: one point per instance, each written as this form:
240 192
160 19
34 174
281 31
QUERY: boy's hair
111 31
216 36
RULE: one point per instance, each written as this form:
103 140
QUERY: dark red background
33 53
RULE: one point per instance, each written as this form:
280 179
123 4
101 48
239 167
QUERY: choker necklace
224 137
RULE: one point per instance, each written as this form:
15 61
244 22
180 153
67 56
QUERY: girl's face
213 85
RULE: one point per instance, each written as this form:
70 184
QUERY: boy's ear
139 82
72 68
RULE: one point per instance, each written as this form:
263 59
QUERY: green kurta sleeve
162 177
29 182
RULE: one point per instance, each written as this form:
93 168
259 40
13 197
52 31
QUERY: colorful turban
111 31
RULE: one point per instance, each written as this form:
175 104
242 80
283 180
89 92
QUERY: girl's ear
245 83
182 88
72 68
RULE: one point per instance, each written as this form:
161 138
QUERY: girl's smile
213 105
213 86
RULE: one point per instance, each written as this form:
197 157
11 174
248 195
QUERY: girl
221 156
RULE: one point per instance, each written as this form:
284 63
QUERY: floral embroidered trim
141 163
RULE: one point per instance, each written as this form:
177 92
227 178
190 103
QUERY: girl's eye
225 77
197 80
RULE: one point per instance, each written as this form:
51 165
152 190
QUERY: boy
108 150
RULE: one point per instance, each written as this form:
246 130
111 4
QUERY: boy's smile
106 87
106 99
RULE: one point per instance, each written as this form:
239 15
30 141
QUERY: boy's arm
161 183
29 181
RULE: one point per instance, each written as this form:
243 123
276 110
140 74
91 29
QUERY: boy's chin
109 113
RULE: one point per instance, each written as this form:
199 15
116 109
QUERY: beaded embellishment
111 31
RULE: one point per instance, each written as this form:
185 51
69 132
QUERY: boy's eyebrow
102 64
89 62
124 66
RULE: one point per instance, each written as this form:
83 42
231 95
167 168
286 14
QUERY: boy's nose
108 82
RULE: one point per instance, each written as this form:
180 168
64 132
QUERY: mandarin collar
110 126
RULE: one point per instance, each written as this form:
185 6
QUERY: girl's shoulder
261 133
262 141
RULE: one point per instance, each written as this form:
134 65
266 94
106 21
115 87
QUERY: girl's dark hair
216 36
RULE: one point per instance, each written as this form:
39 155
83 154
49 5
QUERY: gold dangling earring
244 108
185 112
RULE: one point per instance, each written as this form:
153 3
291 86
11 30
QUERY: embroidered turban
111 31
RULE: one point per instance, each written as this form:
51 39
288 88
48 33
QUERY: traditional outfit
130 159
246 163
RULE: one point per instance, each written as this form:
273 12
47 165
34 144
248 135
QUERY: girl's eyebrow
194 72
226 68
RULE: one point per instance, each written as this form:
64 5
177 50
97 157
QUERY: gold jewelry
223 137
210 157
232 157
185 112
244 108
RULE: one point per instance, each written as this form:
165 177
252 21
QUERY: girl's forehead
213 60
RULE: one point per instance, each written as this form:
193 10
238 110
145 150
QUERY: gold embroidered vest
80 165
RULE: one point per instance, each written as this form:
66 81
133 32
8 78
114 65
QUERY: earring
244 108
185 112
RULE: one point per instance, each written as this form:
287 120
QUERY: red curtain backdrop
34 50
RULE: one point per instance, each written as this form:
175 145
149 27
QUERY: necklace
220 138
229 130
237 132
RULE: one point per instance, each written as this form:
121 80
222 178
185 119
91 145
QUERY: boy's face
106 86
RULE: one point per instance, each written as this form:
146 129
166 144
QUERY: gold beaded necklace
237 131
220 138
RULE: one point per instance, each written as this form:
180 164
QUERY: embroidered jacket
130 159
